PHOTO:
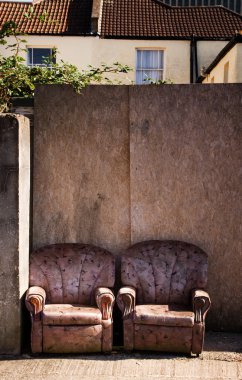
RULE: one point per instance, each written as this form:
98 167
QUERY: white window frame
162 70
51 48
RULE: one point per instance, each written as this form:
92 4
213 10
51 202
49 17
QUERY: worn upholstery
65 314
163 298
69 298
163 315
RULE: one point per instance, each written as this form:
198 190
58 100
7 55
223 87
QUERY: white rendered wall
207 51
176 56
84 51
239 63
234 57
75 50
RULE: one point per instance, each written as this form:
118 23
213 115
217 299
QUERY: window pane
29 56
40 55
238 6
146 76
149 59
149 65
146 59
161 60
139 78
153 75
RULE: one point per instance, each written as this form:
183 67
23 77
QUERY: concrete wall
14 228
234 59
186 172
116 165
81 166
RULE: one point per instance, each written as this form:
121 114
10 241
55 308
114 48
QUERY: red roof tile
154 19
71 17
123 19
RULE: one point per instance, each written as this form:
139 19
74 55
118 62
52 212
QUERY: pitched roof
123 19
71 17
154 19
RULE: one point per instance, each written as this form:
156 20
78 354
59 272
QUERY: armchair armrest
201 304
105 301
35 299
126 300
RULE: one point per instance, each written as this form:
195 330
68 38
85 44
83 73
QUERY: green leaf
17 79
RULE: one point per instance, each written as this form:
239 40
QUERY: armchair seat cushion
164 315
67 314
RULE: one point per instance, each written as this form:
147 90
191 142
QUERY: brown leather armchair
69 300
163 300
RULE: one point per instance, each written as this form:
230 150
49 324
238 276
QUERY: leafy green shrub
19 80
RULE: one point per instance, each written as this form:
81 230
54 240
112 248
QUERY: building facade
157 41
227 65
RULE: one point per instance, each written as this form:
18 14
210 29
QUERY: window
226 72
149 65
39 56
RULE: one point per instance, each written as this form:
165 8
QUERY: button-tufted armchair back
164 271
70 273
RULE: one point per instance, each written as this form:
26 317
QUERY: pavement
221 359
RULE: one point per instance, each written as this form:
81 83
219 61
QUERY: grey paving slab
222 359
101 368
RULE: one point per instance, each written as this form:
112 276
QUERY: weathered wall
116 165
14 227
81 166
186 177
